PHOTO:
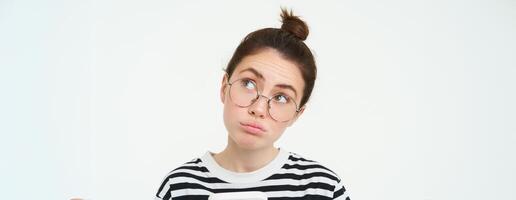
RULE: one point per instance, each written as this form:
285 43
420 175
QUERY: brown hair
288 40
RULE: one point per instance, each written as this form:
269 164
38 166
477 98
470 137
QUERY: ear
301 110
223 87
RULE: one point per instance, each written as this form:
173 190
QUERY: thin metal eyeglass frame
258 95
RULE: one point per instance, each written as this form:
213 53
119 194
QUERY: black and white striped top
289 176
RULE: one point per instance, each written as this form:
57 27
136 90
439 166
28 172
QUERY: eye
282 98
249 84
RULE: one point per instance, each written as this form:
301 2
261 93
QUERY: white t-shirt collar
245 177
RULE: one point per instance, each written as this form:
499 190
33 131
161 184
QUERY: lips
253 128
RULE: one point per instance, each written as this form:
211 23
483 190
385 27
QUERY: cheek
228 116
232 115
277 130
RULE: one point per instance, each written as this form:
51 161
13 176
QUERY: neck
236 159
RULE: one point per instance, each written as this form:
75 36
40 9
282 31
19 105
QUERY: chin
245 142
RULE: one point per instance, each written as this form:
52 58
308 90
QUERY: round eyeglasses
244 92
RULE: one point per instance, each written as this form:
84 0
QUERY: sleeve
163 192
340 192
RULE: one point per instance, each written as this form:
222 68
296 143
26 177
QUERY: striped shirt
288 176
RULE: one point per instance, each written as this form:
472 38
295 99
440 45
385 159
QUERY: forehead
274 68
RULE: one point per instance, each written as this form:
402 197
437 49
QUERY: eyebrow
260 76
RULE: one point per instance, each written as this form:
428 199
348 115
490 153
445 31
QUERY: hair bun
293 24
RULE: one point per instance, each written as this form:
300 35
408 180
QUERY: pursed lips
253 127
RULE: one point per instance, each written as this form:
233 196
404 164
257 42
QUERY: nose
259 108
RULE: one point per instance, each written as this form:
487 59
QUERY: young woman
265 88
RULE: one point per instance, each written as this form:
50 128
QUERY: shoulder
313 170
306 165
176 179
192 168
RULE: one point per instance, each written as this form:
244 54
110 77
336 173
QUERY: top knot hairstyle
293 25
288 41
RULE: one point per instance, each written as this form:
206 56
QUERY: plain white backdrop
100 99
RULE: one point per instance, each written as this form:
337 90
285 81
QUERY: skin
248 152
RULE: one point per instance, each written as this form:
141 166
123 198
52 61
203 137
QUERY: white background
414 99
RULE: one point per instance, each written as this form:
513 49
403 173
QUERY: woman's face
272 75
